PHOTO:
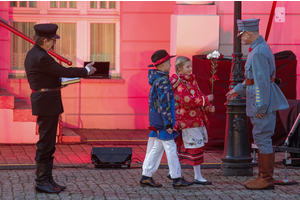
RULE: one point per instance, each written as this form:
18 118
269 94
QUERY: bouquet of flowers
213 57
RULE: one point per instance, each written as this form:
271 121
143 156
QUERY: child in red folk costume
191 106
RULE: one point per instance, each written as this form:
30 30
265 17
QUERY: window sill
23 79
111 80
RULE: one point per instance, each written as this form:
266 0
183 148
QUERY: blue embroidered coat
161 105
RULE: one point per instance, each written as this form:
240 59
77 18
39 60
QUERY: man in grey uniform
264 98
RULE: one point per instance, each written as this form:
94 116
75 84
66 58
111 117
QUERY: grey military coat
263 96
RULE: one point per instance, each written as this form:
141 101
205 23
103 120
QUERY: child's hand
210 97
170 131
211 109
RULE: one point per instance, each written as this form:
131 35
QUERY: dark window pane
63 4
13 4
102 4
53 4
72 4
32 4
23 4
112 4
93 4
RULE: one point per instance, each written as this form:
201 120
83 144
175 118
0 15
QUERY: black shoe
51 181
202 182
42 178
45 187
54 184
169 176
148 181
180 182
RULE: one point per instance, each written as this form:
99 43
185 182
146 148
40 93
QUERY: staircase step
22 112
6 99
69 136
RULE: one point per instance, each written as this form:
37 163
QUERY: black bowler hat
159 57
46 30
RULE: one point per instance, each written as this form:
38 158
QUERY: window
87 34
18 46
63 4
23 4
103 38
103 4
66 45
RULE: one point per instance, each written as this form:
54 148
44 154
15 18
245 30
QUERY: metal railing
15 31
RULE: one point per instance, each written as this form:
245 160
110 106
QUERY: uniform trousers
47 138
153 158
263 130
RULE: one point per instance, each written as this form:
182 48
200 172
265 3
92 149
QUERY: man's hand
232 94
169 130
260 116
91 68
210 97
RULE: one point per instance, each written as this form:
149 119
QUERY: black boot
148 181
51 180
180 182
42 179
169 176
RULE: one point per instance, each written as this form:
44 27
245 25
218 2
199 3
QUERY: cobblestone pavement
90 183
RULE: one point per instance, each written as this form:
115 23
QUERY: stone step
6 99
22 111
69 136
16 112
16 132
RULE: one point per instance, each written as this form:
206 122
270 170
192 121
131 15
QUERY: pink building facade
126 34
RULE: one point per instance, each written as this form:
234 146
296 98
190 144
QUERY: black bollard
236 159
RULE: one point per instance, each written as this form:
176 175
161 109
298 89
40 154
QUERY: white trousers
155 151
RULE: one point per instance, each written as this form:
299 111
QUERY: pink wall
145 28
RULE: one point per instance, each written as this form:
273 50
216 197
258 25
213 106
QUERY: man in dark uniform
264 98
44 77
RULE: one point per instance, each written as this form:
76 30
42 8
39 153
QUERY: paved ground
74 169
85 183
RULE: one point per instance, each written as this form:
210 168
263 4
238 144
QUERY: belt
46 89
251 81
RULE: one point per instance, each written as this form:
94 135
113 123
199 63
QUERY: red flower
250 49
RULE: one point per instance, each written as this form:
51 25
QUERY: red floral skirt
192 157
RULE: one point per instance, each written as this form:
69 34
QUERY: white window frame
116 71
63 10
104 10
24 10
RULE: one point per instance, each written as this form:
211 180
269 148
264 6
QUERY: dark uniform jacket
44 72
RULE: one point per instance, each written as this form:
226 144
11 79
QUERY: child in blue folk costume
162 121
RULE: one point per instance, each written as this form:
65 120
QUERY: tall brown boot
265 179
259 169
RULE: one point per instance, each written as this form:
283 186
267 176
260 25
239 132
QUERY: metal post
236 159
